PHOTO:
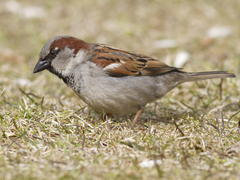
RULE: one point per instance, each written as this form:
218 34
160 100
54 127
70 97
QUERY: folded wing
119 63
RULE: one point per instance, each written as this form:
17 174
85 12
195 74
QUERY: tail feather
198 76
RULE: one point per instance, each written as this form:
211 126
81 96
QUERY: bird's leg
106 115
137 116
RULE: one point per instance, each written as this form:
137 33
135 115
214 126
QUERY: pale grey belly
122 95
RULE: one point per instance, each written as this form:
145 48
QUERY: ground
193 132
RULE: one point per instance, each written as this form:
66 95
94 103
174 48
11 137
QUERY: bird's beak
41 65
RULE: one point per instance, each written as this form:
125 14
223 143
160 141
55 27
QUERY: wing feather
119 63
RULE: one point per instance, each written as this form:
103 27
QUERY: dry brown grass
192 133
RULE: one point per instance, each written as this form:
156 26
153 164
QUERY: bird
112 80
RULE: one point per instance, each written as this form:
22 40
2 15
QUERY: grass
191 133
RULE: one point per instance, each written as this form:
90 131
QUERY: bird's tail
207 75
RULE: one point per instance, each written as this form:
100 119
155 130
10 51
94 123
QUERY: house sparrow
113 80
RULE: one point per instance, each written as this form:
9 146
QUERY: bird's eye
54 51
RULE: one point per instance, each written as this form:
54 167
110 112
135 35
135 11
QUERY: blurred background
43 124
198 35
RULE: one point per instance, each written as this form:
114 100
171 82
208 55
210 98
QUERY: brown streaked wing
155 67
119 63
